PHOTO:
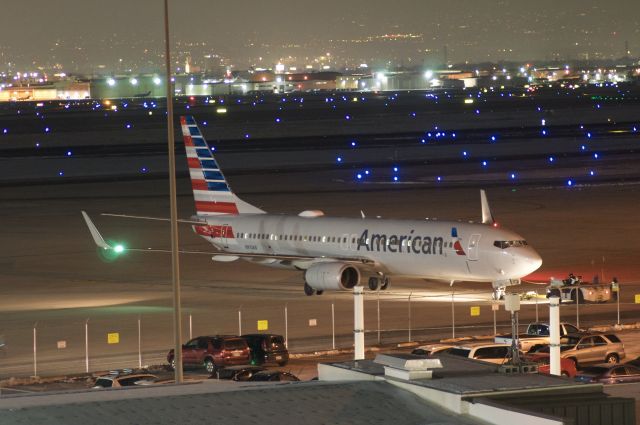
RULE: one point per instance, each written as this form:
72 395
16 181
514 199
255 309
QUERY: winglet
487 217
97 237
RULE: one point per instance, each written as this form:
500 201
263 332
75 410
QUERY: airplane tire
308 290
373 283
319 292
385 284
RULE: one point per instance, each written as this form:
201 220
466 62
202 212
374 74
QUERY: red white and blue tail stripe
211 192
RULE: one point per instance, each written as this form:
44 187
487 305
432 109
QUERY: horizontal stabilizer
138 217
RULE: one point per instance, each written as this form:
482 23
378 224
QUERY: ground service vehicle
575 289
267 348
213 352
537 334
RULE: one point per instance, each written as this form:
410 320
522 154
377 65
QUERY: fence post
378 317
409 305
453 314
333 325
140 342
578 308
618 293
286 327
86 345
35 345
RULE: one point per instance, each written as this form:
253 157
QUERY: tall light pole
175 260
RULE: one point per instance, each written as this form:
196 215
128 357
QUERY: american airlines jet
339 253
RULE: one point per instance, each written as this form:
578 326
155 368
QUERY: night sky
90 33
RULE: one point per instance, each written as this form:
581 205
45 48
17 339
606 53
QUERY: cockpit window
509 244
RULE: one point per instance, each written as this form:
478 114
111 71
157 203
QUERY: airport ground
56 285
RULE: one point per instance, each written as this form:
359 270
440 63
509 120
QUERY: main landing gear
378 282
308 290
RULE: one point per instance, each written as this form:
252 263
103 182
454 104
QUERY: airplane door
474 241
225 231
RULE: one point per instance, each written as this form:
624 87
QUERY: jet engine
331 277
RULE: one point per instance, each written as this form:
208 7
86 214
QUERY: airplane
336 254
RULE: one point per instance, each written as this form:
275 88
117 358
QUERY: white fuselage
428 249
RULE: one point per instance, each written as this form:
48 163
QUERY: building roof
353 403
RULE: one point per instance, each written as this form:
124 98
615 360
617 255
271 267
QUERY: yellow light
221 110
468 100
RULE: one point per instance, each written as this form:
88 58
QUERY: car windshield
104 382
462 352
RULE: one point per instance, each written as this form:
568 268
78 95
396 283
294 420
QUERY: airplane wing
223 256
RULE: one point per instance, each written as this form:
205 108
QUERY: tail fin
211 192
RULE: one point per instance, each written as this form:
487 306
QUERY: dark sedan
272 376
609 374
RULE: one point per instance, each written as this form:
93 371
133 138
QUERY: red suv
213 352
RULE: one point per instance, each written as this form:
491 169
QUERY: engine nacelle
332 276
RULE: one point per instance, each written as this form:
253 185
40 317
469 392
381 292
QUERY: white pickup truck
537 334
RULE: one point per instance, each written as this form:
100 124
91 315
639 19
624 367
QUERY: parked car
267 348
537 334
610 374
236 373
430 349
486 352
118 380
567 367
590 348
213 352
272 375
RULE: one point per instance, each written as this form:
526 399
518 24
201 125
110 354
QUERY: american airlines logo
401 243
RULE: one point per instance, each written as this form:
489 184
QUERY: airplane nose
534 260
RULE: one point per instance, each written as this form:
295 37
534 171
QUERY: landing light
118 249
